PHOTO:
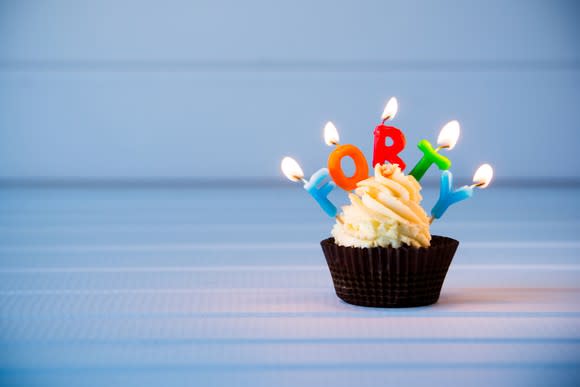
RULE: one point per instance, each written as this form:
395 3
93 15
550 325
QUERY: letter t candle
446 140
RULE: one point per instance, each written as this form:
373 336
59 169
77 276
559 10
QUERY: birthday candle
448 196
381 151
334 160
446 140
319 186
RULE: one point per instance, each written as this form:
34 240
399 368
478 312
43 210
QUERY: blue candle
448 196
319 187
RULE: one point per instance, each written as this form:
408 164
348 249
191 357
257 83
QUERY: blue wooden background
214 287
121 284
180 89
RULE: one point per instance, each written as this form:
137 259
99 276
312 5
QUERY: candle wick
477 184
441 147
303 180
431 219
339 219
386 119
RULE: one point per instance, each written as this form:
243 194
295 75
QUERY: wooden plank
259 32
169 125
486 235
87 302
138 287
284 206
291 326
502 375
167 258
245 276
289 355
52 228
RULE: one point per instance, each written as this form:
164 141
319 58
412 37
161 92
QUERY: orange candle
334 160
335 167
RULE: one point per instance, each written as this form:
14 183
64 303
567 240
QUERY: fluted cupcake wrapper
389 277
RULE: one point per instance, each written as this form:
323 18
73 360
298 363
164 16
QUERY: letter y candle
448 196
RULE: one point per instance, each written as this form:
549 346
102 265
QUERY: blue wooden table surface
202 286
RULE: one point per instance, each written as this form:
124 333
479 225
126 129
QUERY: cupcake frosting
384 211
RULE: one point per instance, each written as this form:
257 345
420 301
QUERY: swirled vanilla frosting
384 211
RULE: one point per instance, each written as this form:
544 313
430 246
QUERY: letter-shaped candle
390 153
448 196
447 139
319 185
430 156
335 158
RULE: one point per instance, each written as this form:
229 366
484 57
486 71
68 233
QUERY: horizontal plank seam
247 182
287 66
262 268
336 367
263 246
229 291
36 315
140 227
298 341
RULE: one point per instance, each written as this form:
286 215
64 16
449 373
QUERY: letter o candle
331 137
335 167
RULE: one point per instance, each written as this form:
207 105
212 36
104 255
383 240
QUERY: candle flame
483 176
291 169
449 135
390 109
330 134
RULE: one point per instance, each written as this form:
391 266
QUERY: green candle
430 157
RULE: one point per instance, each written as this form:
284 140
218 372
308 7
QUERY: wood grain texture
127 89
149 287
170 125
259 32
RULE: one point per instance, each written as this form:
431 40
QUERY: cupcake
381 252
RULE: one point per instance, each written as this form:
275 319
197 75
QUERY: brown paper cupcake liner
389 277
